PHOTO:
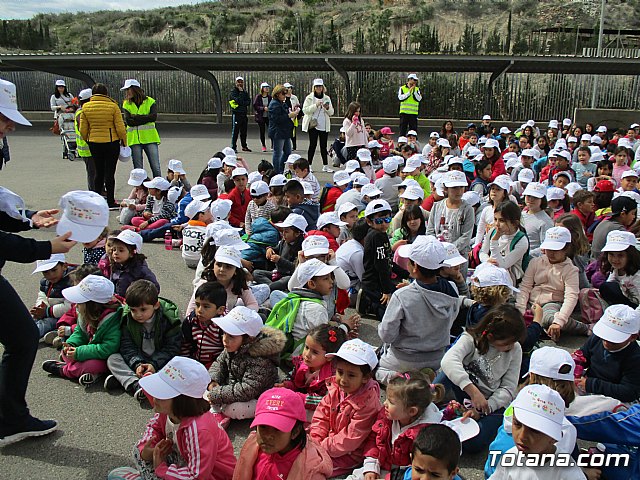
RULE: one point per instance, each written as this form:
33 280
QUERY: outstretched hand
45 218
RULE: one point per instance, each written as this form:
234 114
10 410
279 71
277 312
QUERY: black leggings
313 142
105 157
263 127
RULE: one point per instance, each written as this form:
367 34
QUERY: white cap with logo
199 192
131 238
540 408
341 177
617 324
229 255
619 240
315 245
413 193
85 214
488 275
455 178
329 218
556 238
180 376
370 190
453 258
294 220
426 251
313 268
159 183
229 237
356 352
240 321
92 288
9 103
137 176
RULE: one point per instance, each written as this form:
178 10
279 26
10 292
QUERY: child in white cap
183 436
247 366
96 336
127 262
136 202
491 286
623 264
341 180
209 175
159 210
177 175
344 419
498 193
260 205
388 182
239 196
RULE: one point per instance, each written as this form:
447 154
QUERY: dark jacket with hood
310 210
123 275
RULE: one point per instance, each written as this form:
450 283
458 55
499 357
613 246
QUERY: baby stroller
68 135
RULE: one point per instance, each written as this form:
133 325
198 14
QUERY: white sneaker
326 169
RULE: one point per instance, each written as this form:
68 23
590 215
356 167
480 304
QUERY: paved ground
98 429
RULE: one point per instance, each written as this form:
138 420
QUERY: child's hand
404 283
143 225
353 322
61 331
480 403
554 332
493 261
38 311
160 452
301 258
144 368
269 253
147 452
274 258
131 206
70 353
212 385
581 383
177 228
384 299
330 255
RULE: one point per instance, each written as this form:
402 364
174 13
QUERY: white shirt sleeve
403 96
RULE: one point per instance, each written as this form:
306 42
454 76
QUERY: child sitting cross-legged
280 447
247 366
151 336
344 419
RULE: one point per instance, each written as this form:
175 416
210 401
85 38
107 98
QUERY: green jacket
105 341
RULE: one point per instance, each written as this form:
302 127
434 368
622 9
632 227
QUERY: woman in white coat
317 109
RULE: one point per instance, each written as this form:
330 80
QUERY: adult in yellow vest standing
140 115
82 147
410 97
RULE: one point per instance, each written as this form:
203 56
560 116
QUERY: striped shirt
254 211
201 343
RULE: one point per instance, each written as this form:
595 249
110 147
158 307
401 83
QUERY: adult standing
61 102
83 147
140 115
261 106
101 126
355 133
280 127
410 98
18 332
317 110
239 101
292 103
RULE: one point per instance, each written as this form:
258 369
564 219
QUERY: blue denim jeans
151 149
46 325
281 151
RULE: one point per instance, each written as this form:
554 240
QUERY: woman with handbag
101 126
61 101
317 110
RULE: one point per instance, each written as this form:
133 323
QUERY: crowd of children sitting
469 253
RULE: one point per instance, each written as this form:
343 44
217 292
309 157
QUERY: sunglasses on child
381 220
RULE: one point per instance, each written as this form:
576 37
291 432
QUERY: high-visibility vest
142 134
409 105
82 147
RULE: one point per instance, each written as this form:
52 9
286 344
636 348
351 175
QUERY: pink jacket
342 427
543 283
311 394
313 463
203 444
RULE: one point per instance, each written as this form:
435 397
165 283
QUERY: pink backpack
591 305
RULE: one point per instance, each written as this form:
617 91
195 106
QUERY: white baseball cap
259 188
585 137
412 132
556 238
453 160
453 258
526 175
512 162
624 142
159 183
240 321
278 181
486 117
552 362
180 376
131 238
229 237
60 83
562 173
318 82
294 220
351 166
315 245
229 152
473 152
402 139
346 207
573 187
601 129
199 192
504 130
292 158
221 208
239 171
374 144
465 428
443 142
287 85
439 186
239 78
502 181
9 103
84 214
137 176
370 190
563 154
528 152
629 173
254 177
472 198
389 165
313 268
555 193
307 188
540 408
329 218
195 207
492 143
566 122
216 227
413 76
530 123
341 177
413 193
359 179
265 84
572 139
634 125
85 94
434 135
488 275
413 163
426 251
617 324
408 182
553 124
230 160
229 255
357 352
364 155
535 189
49 263
130 82
92 288
561 144
213 163
596 140
173 194
376 206
618 241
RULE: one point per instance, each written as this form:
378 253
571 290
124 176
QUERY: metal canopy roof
315 62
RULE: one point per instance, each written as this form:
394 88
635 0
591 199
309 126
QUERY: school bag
516 238
283 316
591 305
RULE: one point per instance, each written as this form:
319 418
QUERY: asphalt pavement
98 429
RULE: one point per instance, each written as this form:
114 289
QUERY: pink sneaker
222 420
264 149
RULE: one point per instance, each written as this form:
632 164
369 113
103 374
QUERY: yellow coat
101 121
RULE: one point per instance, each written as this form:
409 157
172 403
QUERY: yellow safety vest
82 147
409 105
142 134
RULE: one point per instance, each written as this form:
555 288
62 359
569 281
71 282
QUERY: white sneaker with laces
326 169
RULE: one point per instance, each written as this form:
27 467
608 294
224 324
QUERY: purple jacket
124 275
259 108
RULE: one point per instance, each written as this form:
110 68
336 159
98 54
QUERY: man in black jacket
239 100
18 331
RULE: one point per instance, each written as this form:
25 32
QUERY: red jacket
239 207
380 447
586 222
498 168
312 393
330 200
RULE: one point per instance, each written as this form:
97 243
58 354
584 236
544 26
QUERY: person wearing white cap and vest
82 147
261 106
318 109
140 115
18 332
239 100
410 97
294 104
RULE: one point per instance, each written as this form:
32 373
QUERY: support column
343 73
494 76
